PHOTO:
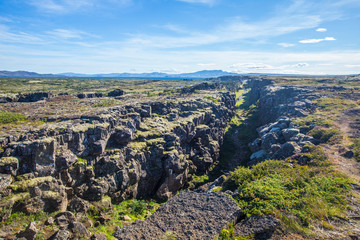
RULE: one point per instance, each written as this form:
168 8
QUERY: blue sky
174 36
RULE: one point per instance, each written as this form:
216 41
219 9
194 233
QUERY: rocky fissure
151 149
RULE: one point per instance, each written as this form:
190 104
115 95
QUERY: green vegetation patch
23 186
283 189
327 135
106 102
11 117
198 181
229 233
135 209
212 99
332 104
313 119
355 147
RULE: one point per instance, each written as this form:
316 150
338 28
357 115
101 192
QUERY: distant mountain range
193 75
199 74
26 74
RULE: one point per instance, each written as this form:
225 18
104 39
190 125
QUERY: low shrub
327 135
280 188
106 102
11 117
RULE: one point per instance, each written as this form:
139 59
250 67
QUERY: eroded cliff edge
148 149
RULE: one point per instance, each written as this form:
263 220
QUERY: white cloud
267 68
6 35
207 2
286 44
70 34
5 19
353 66
234 30
67 6
206 64
67 34
300 65
321 30
317 40
116 58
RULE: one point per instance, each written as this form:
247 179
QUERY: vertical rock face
277 101
140 150
278 139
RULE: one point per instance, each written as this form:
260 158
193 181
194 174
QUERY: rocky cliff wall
144 150
276 101
277 106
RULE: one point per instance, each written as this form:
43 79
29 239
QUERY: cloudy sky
174 36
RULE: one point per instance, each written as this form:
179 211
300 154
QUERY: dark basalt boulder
261 227
64 219
78 205
116 93
36 195
9 165
29 233
5 181
188 215
64 159
61 235
278 140
34 97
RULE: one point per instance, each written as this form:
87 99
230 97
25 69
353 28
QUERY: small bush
11 117
227 233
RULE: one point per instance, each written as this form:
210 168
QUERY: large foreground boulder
188 215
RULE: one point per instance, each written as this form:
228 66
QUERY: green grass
18 221
106 102
314 119
76 85
215 100
355 147
334 104
197 181
11 117
282 189
135 209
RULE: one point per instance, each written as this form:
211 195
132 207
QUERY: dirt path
349 124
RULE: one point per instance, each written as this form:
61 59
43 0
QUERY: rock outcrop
276 101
